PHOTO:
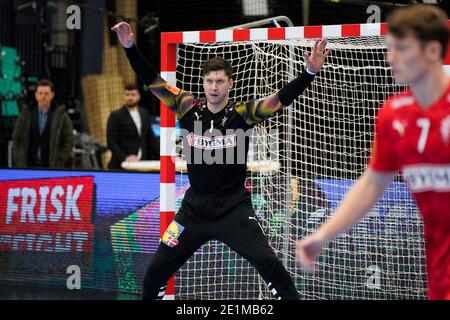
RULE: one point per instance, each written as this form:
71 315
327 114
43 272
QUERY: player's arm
179 101
255 111
362 196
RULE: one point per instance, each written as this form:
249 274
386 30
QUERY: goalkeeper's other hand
319 53
124 33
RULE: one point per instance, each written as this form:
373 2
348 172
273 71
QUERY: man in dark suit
129 133
43 133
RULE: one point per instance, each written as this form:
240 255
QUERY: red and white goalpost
324 143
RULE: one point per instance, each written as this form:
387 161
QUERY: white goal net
322 146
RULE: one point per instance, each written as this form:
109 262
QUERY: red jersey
416 141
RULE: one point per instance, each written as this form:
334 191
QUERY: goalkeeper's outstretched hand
315 60
125 34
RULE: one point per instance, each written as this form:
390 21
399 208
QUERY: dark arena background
104 224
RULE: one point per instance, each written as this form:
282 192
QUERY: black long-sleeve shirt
215 144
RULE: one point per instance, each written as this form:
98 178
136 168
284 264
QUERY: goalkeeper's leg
183 237
241 232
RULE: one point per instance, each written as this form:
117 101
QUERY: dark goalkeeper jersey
217 157
215 145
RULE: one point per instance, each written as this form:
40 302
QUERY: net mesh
322 142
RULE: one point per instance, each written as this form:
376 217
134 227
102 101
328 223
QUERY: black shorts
228 218
214 206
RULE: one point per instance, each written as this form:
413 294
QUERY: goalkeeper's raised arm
255 111
179 101
314 62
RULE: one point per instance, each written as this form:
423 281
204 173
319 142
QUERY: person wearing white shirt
129 132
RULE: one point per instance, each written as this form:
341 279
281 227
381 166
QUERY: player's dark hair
217 64
45 83
132 87
426 23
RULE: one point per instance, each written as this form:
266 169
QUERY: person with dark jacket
43 133
129 132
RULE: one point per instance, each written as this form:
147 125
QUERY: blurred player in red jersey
413 136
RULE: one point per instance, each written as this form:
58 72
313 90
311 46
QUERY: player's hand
315 60
307 251
131 158
125 34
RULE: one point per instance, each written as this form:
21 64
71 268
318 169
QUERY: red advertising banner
52 215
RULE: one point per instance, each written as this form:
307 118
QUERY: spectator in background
129 133
43 133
